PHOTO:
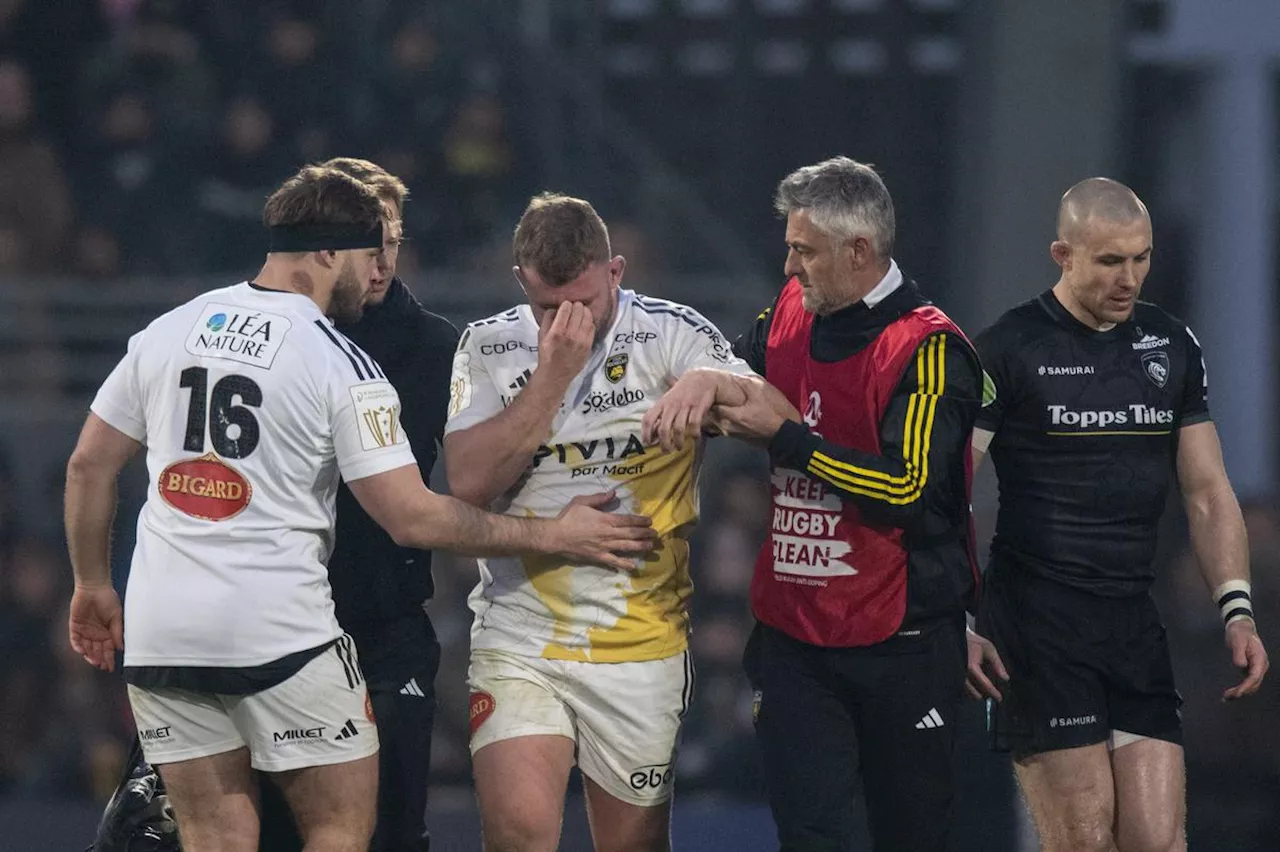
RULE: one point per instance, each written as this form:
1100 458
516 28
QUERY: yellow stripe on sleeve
916 436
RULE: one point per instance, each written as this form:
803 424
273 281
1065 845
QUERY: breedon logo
205 488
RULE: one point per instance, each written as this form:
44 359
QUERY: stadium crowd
180 117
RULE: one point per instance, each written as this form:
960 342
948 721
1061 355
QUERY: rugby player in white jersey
250 406
569 660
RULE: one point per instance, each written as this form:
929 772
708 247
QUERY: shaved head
1097 198
1104 251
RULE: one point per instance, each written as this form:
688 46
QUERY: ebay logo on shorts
651 777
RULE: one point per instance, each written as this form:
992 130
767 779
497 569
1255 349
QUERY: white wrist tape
1234 600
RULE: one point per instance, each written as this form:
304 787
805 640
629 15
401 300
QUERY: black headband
324 236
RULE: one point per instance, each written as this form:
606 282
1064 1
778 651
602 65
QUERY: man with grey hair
859 655
1092 393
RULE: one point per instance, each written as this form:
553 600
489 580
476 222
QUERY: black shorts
399 663
887 712
1081 665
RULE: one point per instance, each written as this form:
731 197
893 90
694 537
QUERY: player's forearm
775 398
89 509
882 486
439 521
724 384
485 460
1218 535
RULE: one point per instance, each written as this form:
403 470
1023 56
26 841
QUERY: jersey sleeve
426 405
997 378
473 397
1195 387
119 401
752 344
368 437
697 343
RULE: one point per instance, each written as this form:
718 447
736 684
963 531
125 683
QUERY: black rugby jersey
375 580
1086 433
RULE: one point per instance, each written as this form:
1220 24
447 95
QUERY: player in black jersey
380 590
1091 395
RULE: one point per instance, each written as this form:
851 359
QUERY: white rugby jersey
250 405
543 606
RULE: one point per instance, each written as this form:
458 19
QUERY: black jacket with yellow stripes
939 577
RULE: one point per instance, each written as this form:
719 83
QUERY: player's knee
655 838
345 830
1162 836
1081 835
350 835
225 835
650 844
523 833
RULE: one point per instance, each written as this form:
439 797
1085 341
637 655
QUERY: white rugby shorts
624 717
319 716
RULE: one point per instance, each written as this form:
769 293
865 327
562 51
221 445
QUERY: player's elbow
407 526
85 467
1211 498
910 516
469 487
902 513
402 534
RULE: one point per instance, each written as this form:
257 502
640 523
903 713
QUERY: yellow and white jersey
542 606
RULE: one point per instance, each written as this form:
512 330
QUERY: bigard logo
482 707
205 487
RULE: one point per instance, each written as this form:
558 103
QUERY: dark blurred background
139 138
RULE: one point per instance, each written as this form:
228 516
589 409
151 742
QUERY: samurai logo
615 367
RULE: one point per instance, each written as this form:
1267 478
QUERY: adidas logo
932 719
521 380
412 688
348 731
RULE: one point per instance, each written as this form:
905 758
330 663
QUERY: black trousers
888 712
399 665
